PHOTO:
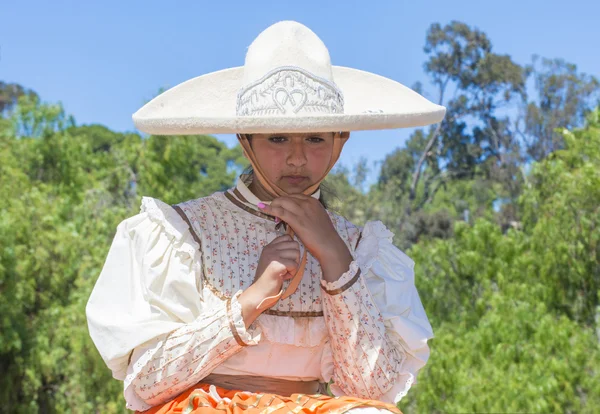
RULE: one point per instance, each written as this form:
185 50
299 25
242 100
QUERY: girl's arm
147 315
172 363
377 325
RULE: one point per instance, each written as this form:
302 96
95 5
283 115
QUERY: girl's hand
278 261
309 219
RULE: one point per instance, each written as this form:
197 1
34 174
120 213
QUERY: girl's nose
297 156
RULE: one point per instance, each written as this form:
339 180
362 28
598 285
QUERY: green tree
516 312
562 213
491 132
69 188
473 143
564 98
10 94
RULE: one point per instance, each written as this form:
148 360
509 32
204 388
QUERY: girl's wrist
334 249
335 261
249 301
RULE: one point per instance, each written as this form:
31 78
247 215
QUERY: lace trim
289 90
303 333
294 314
161 213
368 251
234 330
132 399
345 281
345 287
407 387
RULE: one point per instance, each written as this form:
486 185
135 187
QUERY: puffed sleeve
377 324
147 315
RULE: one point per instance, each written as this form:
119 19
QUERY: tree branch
417 173
444 178
496 141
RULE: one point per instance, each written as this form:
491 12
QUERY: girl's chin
294 187
293 190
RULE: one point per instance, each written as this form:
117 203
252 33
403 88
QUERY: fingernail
261 205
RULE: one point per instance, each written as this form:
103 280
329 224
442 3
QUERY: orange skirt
198 400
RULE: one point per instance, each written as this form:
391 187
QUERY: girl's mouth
294 179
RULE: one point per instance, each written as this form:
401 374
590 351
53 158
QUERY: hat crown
287 44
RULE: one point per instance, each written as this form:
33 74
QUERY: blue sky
104 59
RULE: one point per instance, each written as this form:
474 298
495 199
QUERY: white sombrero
287 84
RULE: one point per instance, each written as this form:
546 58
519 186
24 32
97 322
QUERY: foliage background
499 206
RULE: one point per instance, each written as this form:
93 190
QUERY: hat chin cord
275 191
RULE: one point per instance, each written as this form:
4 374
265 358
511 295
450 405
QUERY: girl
256 298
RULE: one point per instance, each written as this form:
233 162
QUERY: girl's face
293 161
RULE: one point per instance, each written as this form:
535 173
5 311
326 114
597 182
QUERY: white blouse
164 312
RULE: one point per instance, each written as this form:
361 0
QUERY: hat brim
207 105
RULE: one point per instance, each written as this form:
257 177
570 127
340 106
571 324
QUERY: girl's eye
281 140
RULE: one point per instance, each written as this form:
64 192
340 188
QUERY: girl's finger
282 239
290 265
280 212
288 245
290 254
294 205
288 276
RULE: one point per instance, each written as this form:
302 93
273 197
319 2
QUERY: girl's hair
250 173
